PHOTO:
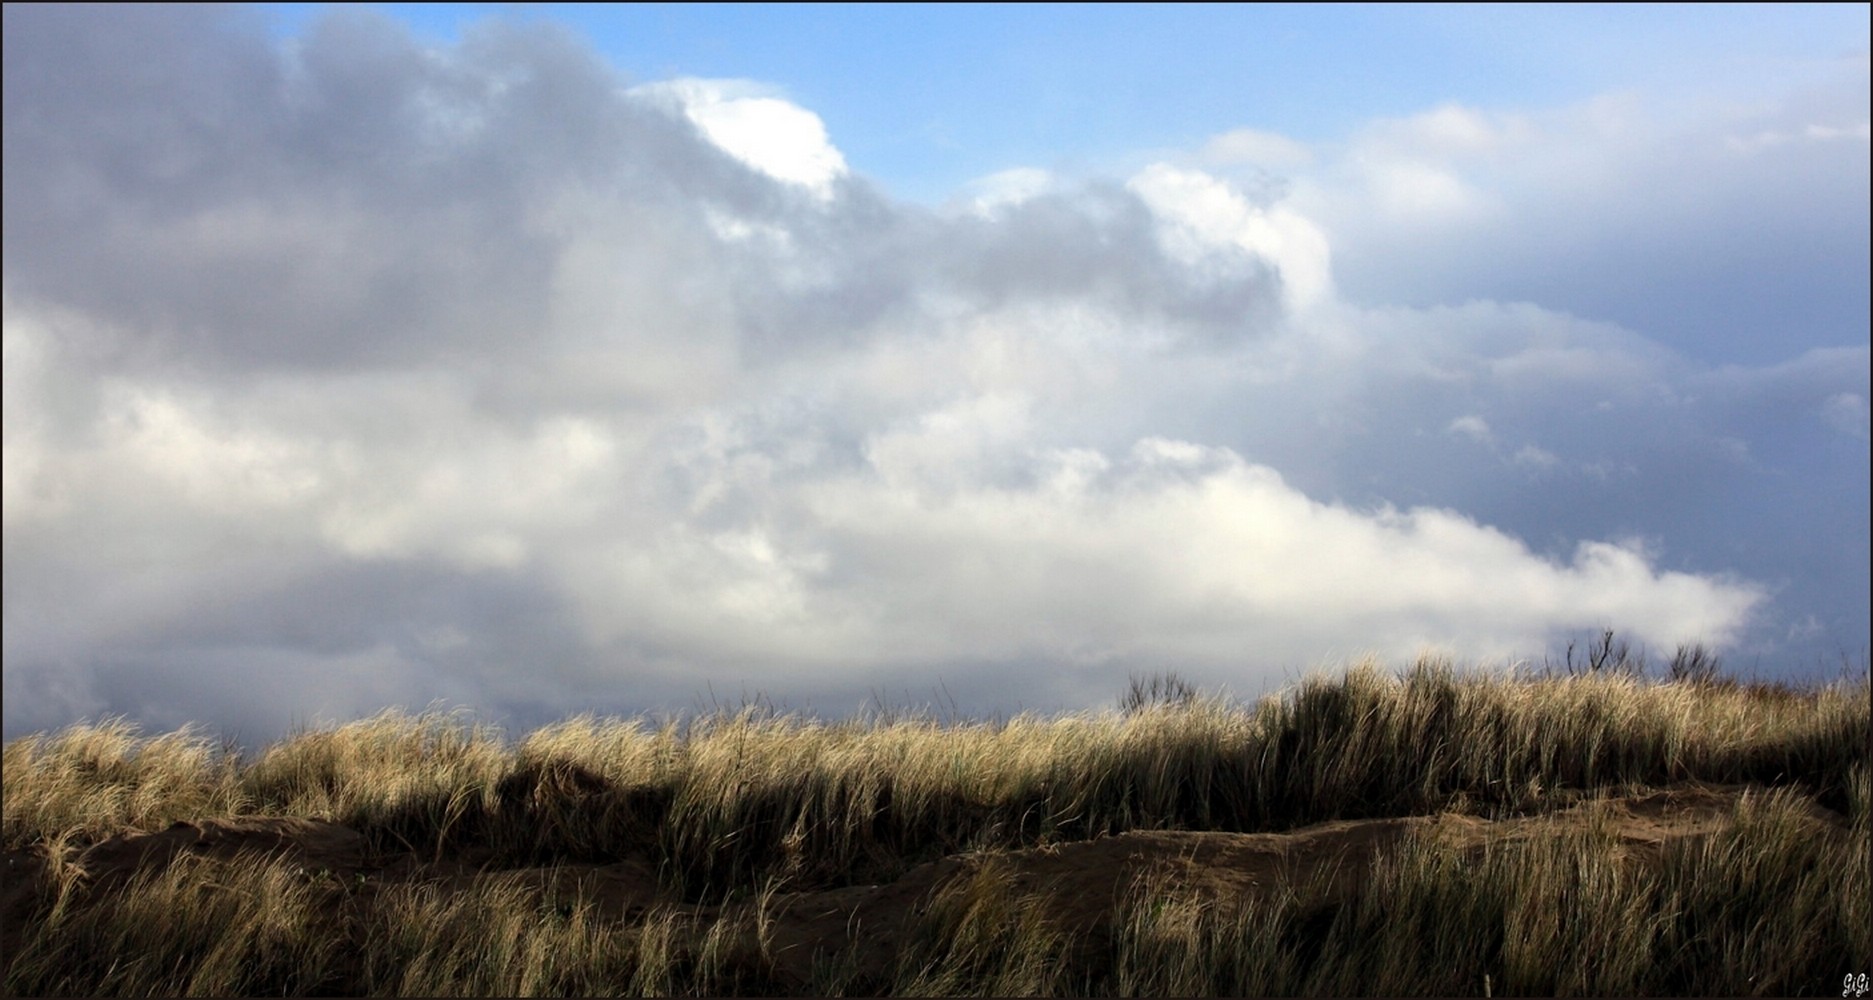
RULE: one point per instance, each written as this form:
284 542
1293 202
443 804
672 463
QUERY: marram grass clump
1599 833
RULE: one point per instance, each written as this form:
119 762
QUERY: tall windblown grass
724 806
192 928
1773 906
88 782
732 798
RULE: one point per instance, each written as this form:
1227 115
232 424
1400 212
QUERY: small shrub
1695 664
1158 689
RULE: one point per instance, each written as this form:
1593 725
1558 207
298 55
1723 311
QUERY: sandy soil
1080 879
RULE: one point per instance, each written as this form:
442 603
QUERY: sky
638 359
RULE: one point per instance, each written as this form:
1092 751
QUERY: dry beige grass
1365 833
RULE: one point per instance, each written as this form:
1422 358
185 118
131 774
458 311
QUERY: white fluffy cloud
1203 215
769 133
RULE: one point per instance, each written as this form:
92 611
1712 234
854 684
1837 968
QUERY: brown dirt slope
1081 881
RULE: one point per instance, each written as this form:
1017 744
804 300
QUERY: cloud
1702 224
1860 132
1471 426
191 165
1205 218
1209 555
767 132
1847 413
1255 147
1010 187
1536 458
351 372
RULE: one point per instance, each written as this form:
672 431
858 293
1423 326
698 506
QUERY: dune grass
1755 910
728 807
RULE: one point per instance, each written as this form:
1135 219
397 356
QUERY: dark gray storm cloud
356 200
351 201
